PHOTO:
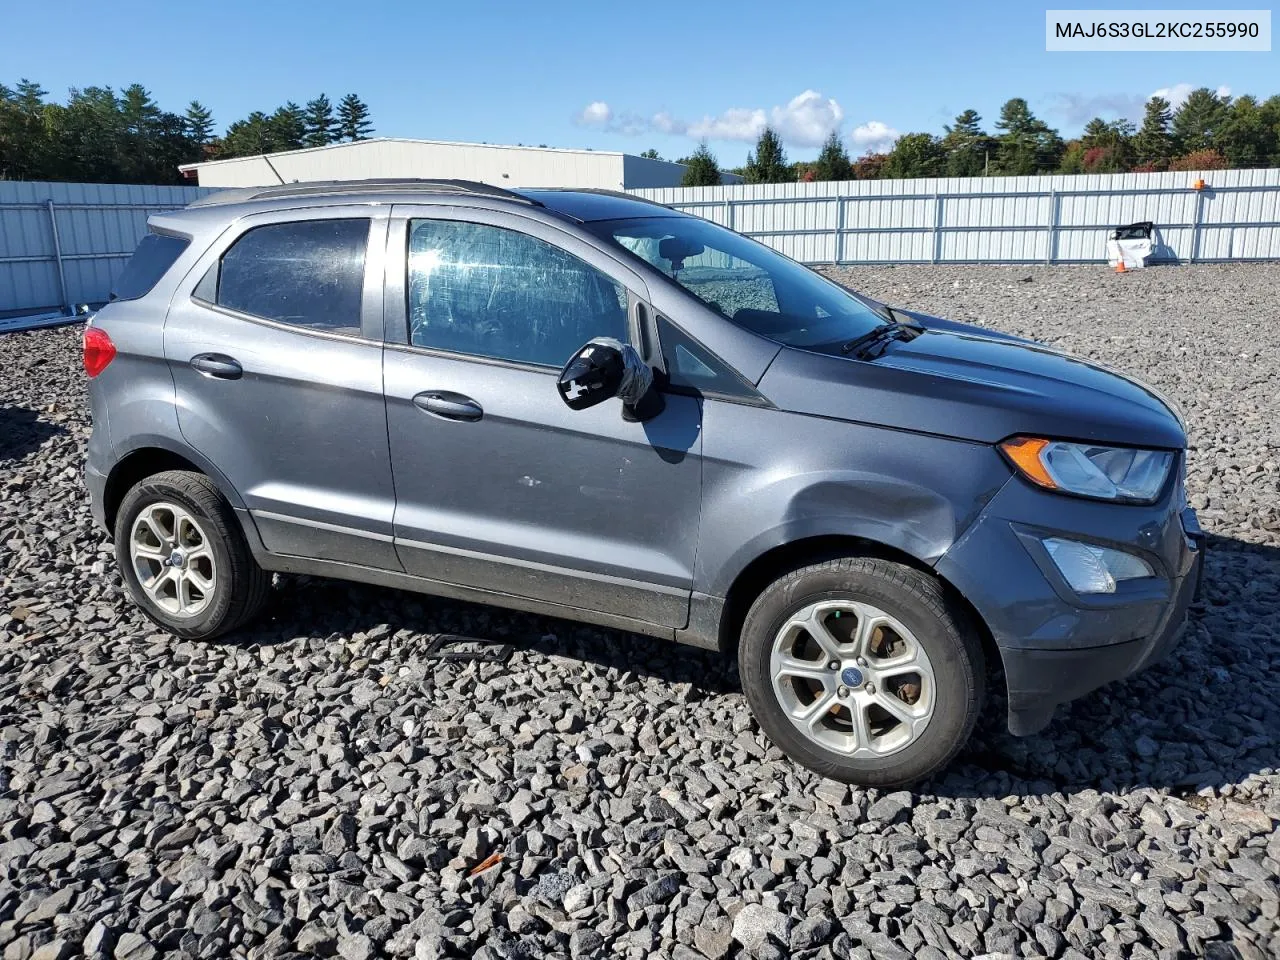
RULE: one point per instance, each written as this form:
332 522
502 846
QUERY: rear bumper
95 482
1057 645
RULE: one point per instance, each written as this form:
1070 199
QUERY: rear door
499 485
274 341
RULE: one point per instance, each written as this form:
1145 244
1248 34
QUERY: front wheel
184 559
862 670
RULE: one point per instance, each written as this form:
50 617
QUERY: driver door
499 485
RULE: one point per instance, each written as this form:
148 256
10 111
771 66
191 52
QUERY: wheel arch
781 559
152 455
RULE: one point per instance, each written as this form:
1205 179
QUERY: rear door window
307 273
154 256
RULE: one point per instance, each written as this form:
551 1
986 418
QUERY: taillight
98 351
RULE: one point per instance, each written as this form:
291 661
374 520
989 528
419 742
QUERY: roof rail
606 192
330 187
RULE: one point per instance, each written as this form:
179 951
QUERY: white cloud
1179 92
595 114
736 123
807 119
873 136
665 123
1078 109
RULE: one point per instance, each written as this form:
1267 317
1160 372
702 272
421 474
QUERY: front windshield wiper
869 344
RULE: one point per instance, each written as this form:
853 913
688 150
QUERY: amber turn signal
1025 454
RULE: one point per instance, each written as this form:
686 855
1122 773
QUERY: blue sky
609 75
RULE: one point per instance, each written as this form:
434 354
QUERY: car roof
582 205
588 205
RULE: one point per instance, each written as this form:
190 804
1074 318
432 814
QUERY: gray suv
585 405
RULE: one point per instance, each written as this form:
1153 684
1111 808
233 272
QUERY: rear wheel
184 559
862 670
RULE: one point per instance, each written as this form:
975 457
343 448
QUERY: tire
215 586
891 599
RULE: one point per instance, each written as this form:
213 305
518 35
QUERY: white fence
64 243
1057 219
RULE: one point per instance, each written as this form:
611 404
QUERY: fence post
1051 248
937 227
728 214
1195 226
838 246
57 255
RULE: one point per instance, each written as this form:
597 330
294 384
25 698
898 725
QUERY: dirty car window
492 292
308 274
748 283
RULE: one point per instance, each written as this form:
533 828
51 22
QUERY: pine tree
1027 144
29 97
967 146
1153 144
701 169
288 127
199 119
353 119
833 162
1196 122
318 122
248 137
1247 137
768 163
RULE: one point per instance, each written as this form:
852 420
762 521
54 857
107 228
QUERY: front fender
772 478
904 516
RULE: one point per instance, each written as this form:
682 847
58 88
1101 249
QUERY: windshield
745 281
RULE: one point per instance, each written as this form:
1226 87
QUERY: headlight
1089 470
1093 569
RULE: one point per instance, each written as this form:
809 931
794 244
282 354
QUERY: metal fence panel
64 243
1053 219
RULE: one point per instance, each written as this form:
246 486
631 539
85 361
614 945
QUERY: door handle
217 365
450 406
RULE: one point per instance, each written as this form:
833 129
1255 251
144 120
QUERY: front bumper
1057 645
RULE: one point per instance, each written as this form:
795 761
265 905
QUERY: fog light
1093 569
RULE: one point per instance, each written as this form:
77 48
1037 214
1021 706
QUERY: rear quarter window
154 256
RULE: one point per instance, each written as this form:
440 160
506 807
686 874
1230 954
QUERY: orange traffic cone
1121 268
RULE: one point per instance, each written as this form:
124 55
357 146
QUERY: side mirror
605 368
592 375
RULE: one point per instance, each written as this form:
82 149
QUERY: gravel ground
317 785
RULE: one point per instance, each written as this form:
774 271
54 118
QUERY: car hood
966 382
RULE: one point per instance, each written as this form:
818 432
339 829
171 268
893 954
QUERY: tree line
101 136
1205 132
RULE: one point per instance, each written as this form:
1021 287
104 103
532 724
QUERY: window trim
749 397
396 298
371 321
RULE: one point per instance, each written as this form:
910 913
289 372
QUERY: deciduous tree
915 155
